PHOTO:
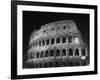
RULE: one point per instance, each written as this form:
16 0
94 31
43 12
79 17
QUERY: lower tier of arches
57 63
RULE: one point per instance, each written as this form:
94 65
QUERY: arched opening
84 63
70 63
57 64
64 63
51 53
47 41
36 65
64 39
32 66
57 52
77 63
58 40
45 65
40 65
43 42
50 64
52 41
64 27
76 52
52 29
46 53
70 39
39 43
64 52
70 52
37 55
42 54
44 31
83 52
35 44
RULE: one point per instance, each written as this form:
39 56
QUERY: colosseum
57 44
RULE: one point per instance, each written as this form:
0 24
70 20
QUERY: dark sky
33 20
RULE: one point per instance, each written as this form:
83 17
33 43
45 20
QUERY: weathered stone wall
57 44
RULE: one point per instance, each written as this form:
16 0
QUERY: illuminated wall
57 44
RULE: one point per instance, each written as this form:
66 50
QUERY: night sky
32 20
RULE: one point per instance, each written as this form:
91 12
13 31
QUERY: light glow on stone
76 40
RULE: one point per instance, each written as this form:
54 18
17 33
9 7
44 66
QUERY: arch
45 65
77 63
51 53
39 43
76 52
56 64
70 52
43 42
36 65
58 40
32 66
46 53
70 39
50 64
64 63
52 29
40 65
57 52
52 41
64 52
35 44
37 54
84 63
44 31
47 42
64 27
83 52
70 63
42 54
64 40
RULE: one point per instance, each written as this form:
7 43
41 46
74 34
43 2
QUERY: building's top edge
53 24
57 23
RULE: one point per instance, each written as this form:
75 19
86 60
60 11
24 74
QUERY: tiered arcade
57 44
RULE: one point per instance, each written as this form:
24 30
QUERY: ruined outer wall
57 44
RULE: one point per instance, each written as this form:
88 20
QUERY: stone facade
57 44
